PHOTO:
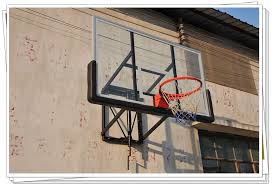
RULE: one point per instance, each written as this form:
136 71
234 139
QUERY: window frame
237 162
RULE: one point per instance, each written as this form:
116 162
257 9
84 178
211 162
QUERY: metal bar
118 122
140 127
154 127
159 79
121 140
129 138
127 119
174 67
235 160
103 119
129 132
112 121
116 72
103 116
173 61
216 154
133 65
148 94
251 156
175 71
135 88
148 70
228 160
129 122
134 119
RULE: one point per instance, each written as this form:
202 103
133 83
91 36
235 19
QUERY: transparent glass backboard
120 76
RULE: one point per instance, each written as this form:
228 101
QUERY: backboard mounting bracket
124 140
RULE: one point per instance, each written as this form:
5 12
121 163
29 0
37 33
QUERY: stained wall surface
53 128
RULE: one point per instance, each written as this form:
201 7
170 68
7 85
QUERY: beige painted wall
53 128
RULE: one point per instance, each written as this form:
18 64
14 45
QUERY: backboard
129 65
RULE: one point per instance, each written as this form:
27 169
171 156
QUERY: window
223 153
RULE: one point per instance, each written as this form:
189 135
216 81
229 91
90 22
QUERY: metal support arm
116 117
154 127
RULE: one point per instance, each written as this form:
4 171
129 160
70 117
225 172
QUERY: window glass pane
210 166
255 150
207 146
220 153
224 148
246 168
257 168
242 150
227 167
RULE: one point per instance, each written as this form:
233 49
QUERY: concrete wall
52 126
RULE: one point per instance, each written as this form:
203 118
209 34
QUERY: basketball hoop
183 105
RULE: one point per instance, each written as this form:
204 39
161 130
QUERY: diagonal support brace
154 127
116 117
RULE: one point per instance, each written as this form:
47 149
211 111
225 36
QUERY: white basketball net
184 108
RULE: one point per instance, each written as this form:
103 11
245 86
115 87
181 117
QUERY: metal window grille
224 153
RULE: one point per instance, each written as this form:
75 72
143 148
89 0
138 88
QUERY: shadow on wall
171 155
232 123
